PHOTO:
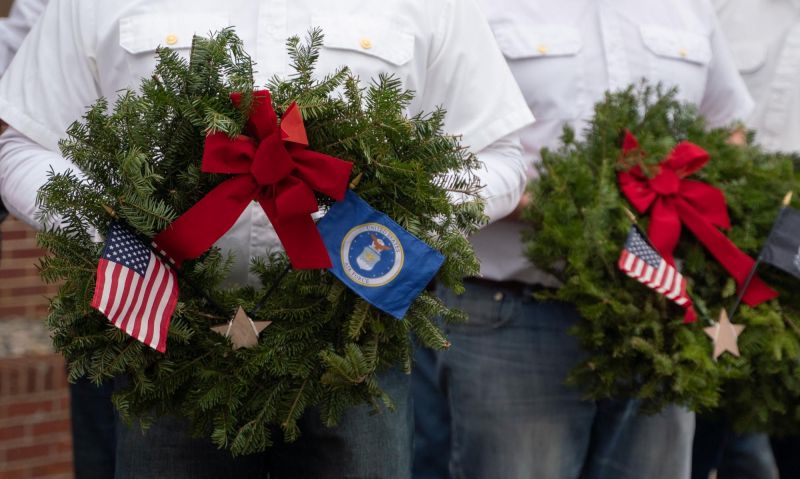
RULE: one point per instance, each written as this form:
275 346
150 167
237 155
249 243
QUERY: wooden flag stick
630 215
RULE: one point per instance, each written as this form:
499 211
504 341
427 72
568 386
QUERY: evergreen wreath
326 346
637 344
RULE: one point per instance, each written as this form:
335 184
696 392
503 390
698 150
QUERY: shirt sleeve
51 80
48 85
503 183
726 97
25 167
16 26
469 77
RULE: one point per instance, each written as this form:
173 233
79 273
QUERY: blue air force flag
376 258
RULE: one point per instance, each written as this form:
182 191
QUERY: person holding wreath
510 412
85 49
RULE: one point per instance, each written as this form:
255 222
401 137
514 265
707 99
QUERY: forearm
502 176
24 167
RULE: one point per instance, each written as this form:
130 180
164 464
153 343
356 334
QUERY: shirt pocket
749 57
141 35
546 64
678 58
366 44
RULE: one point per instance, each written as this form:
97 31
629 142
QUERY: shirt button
172 39
543 49
365 43
683 52
498 296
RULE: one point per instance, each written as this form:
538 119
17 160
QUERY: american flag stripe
679 286
628 261
638 270
168 303
122 316
641 261
119 291
136 289
136 330
130 326
660 274
100 287
666 281
157 334
648 274
144 331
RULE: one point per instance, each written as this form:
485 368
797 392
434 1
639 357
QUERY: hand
738 136
524 202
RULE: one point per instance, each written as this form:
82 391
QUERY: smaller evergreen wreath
637 343
325 346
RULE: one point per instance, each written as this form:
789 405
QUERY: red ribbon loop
674 201
272 167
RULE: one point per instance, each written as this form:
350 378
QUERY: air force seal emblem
372 255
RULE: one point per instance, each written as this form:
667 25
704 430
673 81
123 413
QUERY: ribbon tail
195 231
735 262
300 238
690 316
664 230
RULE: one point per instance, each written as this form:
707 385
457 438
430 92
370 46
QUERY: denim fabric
785 450
432 424
93 424
513 417
733 456
362 446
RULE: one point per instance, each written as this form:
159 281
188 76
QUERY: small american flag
641 261
136 289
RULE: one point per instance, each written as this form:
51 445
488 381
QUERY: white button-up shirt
565 54
84 49
16 26
765 39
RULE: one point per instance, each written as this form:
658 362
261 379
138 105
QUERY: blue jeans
511 414
785 450
734 456
93 423
362 446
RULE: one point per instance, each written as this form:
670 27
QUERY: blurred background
35 437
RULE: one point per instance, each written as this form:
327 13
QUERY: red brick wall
35 440
22 293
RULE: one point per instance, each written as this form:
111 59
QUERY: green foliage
637 343
325 347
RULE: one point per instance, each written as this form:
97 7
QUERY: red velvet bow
272 167
676 201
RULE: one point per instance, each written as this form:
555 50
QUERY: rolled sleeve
469 77
13 29
41 105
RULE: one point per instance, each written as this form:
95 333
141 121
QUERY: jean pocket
484 310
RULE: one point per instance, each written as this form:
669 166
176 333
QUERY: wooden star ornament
242 331
724 335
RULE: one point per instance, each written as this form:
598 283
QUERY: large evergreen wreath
637 342
325 347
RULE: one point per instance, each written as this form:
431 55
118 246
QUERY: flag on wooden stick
641 261
136 289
